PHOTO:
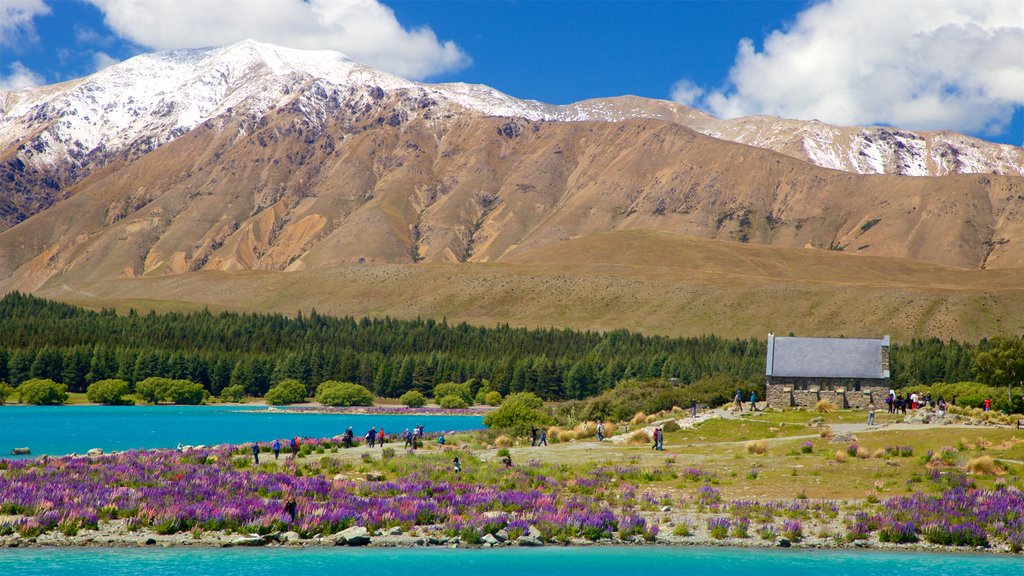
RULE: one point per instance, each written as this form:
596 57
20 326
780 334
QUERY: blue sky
920 64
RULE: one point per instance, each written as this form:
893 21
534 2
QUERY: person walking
380 437
738 401
533 435
871 414
543 438
753 401
295 447
256 453
371 437
661 438
693 408
277 447
348 437
655 435
407 436
600 431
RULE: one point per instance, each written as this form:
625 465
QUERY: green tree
111 392
413 399
334 393
492 398
42 391
186 392
5 392
286 392
518 413
1002 364
233 393
452 389
19 367
153 389
452 401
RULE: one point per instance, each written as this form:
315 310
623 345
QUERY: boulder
528 541
250 540
784 543
354 536
290 536
375 476
21 451
532 532
395 531
501 535
94 452
490 540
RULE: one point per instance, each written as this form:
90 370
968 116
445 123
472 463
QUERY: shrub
518 412
863 453
757 446
983 466
153 389
452 401
639 418
233 393
110 392
492 398
413 399
42 392
807 447
334 393
670 426
825 406
898 533
5 392
718 528
503 441
186 392
791 529
286 392
851 450
453 389
840 456
682 529
740 528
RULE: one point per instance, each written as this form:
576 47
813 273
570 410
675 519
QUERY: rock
489 540
354 536
784 543
251 540
843 437
375 476
21 451
290 536
501 535
149 542
528 541
94 452
666 508
860 543
532 532
395 531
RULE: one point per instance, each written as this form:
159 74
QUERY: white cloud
16 20
20 77
102 60
365 30
940 64
686 93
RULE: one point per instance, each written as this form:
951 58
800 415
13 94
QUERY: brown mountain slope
655 282
396 183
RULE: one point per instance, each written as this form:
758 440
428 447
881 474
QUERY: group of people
899 404
737 402
538 437
275 446
659 439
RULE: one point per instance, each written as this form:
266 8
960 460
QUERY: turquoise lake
591 561
58 430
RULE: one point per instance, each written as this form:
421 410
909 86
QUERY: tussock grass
825 406
503 441
863 453
983 466
757 446
639 437
840 456
639 418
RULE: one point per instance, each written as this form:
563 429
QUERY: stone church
851 372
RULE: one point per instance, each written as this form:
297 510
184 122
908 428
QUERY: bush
518 412
286 392
757 446
186 392
504 443
492 398
453 389
334 393
639 437
110 392
42 392
825 406
153 389
5 392
413 399
452 401
233 393
982 466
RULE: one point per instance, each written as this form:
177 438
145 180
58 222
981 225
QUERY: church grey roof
826 357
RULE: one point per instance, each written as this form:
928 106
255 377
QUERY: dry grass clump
639 437
639 418
826 406
983 466
670 426
880 453
586 430
840 456
610 428
559 434
863 453
503 441
757 446
827 433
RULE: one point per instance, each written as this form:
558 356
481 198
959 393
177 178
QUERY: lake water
591 561
58 430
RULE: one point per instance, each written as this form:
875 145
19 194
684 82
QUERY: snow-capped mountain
137 105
